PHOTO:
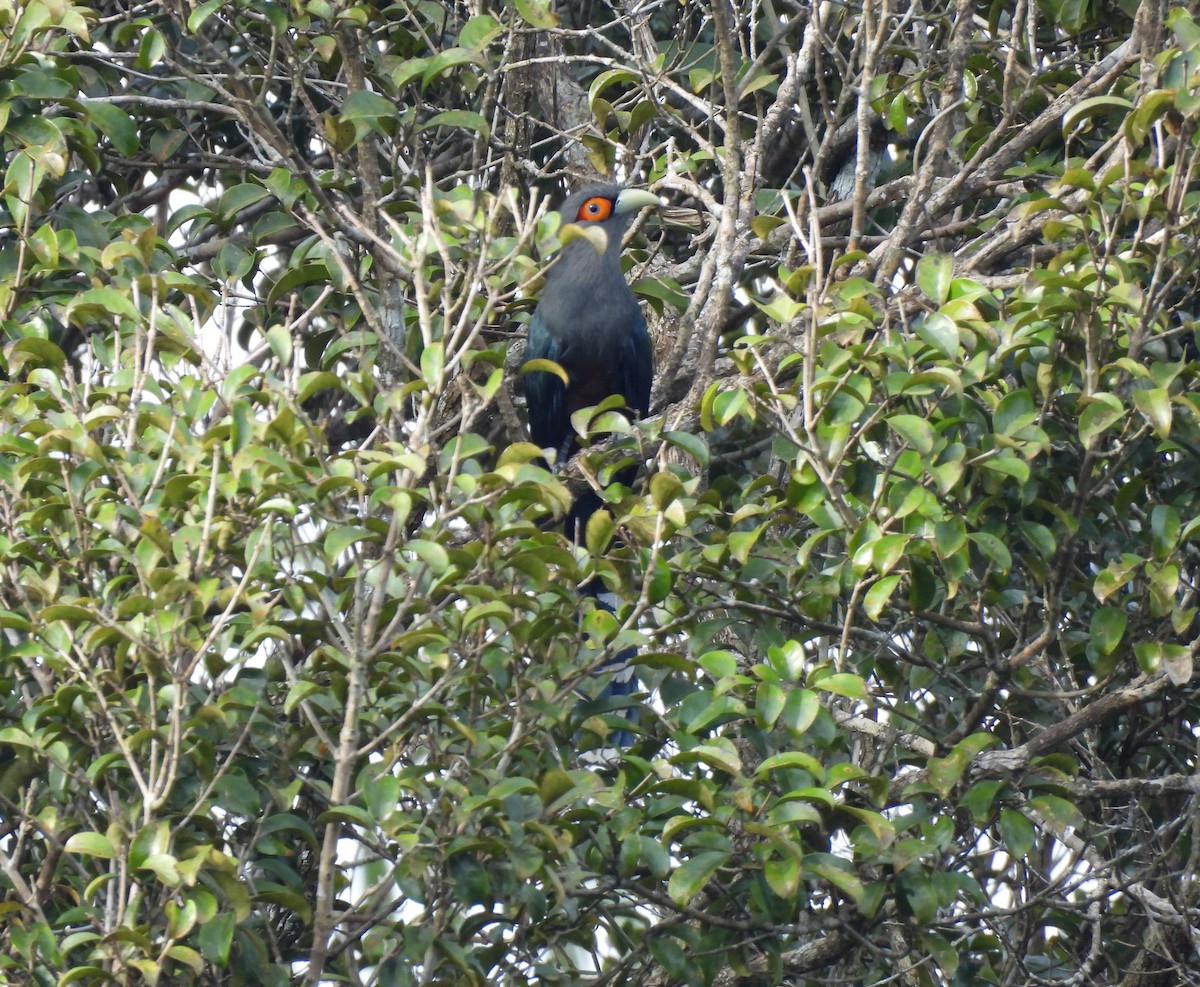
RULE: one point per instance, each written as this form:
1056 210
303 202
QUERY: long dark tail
622 681
586 504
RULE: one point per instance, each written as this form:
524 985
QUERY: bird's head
601 214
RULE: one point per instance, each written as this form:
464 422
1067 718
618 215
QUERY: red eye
595 210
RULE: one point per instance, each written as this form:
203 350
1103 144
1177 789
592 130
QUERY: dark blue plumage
588 322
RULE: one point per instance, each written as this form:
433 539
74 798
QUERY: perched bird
588 322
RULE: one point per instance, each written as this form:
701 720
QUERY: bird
587 321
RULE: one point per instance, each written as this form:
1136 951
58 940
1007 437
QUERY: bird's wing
637 367
544 392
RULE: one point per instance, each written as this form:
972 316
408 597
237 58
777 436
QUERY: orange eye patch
595 210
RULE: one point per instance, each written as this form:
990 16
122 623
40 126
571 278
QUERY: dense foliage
292 644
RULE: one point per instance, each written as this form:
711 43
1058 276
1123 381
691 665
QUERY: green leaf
298 692
670 955
1150 109
341 537
1014 412
1165 526
1008 465
433 366
837 872
719 754
1149 655
693 445
94 974
940 332
32 349
538 13
769 703
102 304
151 49
663 290
760 81
719 664
1106 629
800 711
545 366
295 278
216 937
1178 663
1103 411
980 797
690 878
934 274
665 489
1155 406
877 596
1040 538
945 772
479 32
233 262
728 405
917 432
840 684
164 867
1016 832
781 308
354 815
599 531
444 61
610 77
433 555
367 106
239 197
1057 811
879 825
993 549
45 245
783 875
202 13
115 124
761 226
280 341
1085 109
899 113
886 551
1079 178
466 119
1070 14
791 759
91 845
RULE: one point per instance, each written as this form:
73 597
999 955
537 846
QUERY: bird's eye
595 210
